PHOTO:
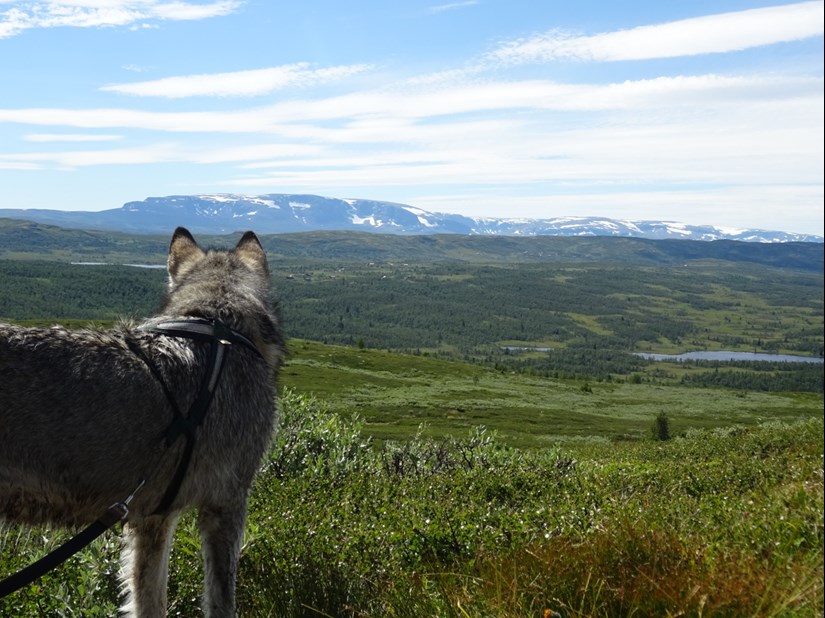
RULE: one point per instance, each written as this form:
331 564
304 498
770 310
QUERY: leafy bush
463 526
311 440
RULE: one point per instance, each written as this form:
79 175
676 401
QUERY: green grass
395 393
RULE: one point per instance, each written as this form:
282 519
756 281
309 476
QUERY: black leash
114 514
220 338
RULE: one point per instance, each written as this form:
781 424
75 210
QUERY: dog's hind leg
145 565
221 531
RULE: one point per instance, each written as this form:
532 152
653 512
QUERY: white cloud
19 165
70 137
588 147
161 152
715 151
441 8
724 32
185 11
135 68
155 153
384 112
257 152
238 83
546 96
91 13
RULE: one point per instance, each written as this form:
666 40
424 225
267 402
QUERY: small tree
661 427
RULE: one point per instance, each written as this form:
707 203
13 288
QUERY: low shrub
715 522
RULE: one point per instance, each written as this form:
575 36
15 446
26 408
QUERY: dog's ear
251 253
184 253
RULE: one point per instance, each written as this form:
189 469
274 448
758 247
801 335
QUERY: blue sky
697 112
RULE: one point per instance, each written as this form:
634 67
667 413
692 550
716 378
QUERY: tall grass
724 522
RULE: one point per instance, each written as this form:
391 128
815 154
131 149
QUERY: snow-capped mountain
283 213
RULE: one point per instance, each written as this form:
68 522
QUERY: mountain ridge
20 239
278 213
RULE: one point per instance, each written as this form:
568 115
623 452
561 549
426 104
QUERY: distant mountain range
283 213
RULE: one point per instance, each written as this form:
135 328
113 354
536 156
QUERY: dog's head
232 286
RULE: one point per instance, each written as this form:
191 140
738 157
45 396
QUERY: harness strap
200 329
220 338
186 425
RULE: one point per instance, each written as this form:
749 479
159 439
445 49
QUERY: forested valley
580 313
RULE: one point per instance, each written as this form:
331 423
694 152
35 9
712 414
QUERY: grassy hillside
24 239
395 394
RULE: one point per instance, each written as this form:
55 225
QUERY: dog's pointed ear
184 253
251 252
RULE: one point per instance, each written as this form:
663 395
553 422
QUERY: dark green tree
661 427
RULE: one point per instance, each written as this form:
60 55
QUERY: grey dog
85 418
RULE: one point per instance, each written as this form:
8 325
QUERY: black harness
220 339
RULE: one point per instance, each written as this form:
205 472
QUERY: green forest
568 319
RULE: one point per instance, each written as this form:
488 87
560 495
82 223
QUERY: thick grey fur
82 421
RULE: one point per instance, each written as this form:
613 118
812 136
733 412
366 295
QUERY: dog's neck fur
245 281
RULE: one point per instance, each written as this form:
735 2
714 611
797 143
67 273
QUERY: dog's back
79 417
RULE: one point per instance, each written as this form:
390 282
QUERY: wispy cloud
70 137
724 32
694 132
135 68
442 8
159 152
238 83
757 136
155 153
187 11
26 15
663 93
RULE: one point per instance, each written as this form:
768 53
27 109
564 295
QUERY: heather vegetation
718 522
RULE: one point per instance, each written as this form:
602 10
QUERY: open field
396 393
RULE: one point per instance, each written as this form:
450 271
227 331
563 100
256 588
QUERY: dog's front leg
221 532
145 565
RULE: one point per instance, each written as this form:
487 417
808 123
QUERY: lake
719 355
725 355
